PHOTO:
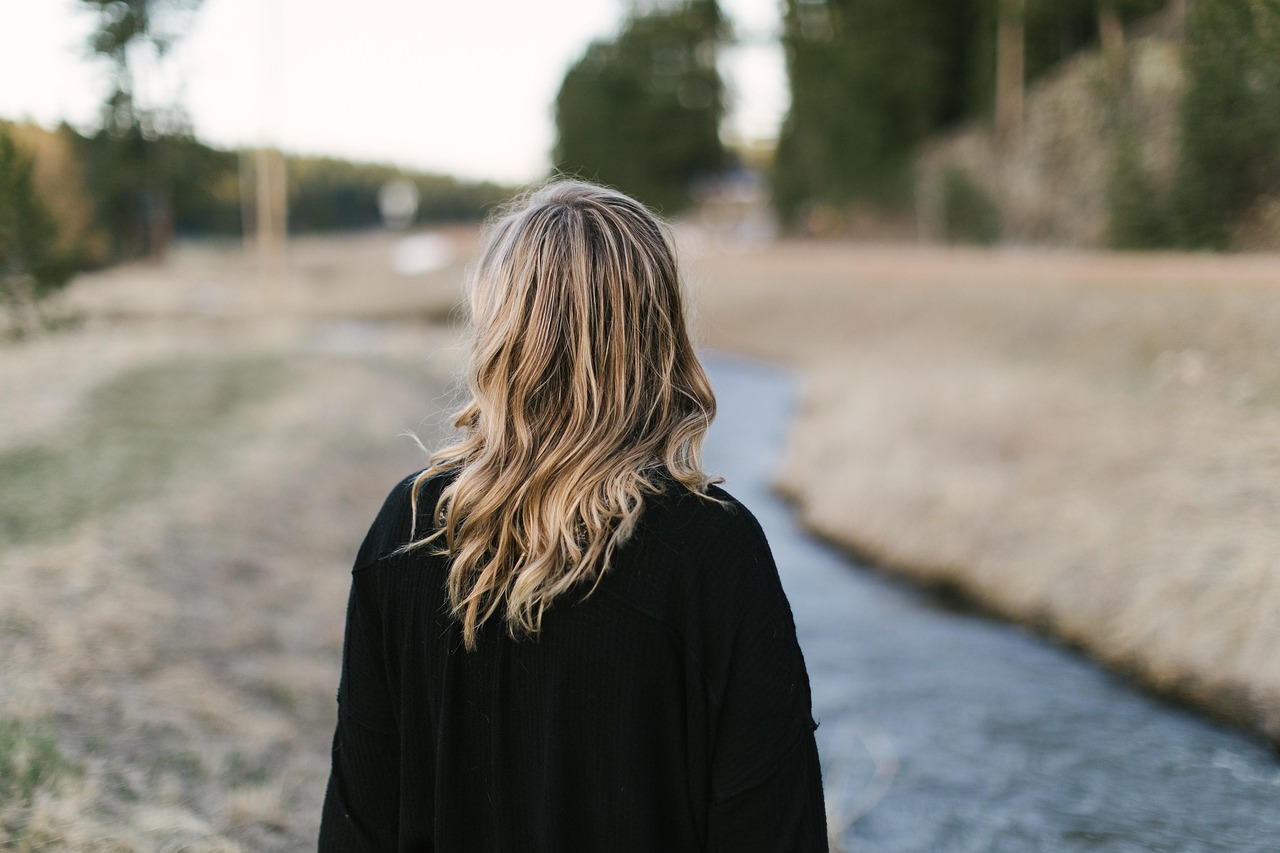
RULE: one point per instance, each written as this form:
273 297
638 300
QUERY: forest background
888 101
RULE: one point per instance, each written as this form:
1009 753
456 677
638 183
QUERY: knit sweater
667 711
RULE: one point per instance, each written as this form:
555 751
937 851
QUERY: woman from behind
561 635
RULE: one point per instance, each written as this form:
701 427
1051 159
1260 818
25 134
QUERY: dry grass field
185 479
1084 442
1087 443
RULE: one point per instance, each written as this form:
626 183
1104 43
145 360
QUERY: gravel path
943 731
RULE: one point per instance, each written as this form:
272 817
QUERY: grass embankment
181 493
1084 443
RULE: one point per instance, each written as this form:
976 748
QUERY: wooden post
271 184
272 215
1010 72
248 221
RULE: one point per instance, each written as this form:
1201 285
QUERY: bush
969 214
1136 215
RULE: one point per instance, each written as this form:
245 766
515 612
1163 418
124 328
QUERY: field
1082 442
186 477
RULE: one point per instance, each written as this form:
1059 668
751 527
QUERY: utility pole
271 197
270 183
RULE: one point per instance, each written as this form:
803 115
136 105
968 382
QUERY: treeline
873 79
870 80
113 205
71 201
327 194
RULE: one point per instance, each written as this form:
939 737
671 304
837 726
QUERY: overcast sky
458 86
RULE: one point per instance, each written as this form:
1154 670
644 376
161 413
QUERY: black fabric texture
668 711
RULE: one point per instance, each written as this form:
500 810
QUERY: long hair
586 395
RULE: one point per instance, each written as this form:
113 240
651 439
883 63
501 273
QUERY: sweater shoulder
406 514
691 560
716 531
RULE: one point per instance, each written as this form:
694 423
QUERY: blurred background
1018 257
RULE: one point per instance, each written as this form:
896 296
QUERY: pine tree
1230 118
136 174
642 112
31 267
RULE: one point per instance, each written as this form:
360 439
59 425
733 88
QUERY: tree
134 172
642 112
873 79
1230 118
869 80
31 266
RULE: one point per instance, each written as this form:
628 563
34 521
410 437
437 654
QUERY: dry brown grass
184 489
1084 442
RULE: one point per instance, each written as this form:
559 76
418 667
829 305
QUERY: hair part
586 395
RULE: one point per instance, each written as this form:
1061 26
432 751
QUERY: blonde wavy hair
586 395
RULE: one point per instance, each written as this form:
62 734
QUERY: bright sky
458 86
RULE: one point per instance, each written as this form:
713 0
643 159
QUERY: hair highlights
585 392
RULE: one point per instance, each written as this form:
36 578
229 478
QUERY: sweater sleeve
362 802
766 782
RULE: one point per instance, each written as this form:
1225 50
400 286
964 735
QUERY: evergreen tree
1230 118
642 112
869 80
134 173
31 267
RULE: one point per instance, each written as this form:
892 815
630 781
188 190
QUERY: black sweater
669 711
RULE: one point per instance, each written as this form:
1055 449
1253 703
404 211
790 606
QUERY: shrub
1136 214
969 214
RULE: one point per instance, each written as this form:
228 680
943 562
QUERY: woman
561 635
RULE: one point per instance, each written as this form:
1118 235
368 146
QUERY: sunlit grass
122 443
29 760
